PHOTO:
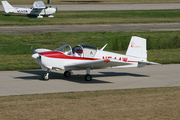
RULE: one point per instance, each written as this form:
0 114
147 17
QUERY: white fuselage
38 9
48 11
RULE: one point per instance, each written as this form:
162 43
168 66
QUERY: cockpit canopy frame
86 51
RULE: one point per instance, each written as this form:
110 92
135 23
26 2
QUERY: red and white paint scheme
91 58
38 9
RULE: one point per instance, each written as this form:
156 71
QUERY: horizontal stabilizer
147 62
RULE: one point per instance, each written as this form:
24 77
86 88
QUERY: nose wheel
45 76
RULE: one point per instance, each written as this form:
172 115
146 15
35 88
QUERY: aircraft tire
88 77
67 74
45 77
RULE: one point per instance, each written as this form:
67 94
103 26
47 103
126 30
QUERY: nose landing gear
45 76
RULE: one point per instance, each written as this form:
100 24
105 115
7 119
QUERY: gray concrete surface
108 7
29 82
89 28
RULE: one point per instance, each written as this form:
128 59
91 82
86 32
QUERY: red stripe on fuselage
60 55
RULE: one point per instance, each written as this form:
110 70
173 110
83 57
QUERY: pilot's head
74 49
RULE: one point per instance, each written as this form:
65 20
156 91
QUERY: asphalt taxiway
29 82
85 7
89 28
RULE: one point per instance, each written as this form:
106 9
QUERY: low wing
97 64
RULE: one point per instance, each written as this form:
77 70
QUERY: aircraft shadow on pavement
108 74
75 78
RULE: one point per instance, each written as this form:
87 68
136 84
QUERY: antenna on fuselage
103 47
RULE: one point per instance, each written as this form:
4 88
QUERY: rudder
137 48
7 7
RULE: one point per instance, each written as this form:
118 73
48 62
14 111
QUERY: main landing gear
67 73
87 77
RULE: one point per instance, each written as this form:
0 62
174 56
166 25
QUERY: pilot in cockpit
74 52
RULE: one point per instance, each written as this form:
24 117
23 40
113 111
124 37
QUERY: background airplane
38 9
91 58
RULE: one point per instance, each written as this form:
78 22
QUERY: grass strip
26 62
163 46
19 44
92 17
147 103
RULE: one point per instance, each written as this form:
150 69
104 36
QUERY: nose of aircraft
35 55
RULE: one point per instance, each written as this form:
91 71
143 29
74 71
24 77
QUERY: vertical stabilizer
7 7
137 48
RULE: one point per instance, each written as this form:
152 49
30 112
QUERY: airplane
38 9
91 58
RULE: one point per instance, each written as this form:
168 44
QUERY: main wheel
45 77
67 74
88 77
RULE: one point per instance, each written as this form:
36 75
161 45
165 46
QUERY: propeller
33 50
56 8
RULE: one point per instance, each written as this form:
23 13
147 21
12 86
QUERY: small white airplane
91 58
38 9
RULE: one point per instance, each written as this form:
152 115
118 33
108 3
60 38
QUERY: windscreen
66 49
39 5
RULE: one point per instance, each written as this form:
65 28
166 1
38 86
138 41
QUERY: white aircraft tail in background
38 9
7 7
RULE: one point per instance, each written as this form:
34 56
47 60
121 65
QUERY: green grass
149 103
16 44
92 17
163 46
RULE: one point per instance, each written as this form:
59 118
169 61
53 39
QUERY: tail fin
137 48
7 7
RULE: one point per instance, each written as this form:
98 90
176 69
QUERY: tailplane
137 48
7 7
